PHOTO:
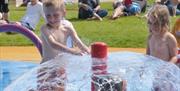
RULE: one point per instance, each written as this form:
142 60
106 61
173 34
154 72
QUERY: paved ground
30 53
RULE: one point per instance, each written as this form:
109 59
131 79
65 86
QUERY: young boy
54 34
33 13
161 43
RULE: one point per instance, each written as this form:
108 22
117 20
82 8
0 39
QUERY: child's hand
84 53
87 51
76 52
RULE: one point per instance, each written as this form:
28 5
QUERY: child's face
53 17
153 25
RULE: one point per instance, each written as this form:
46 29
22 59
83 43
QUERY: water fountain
73 73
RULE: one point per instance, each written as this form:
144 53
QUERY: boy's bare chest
59 35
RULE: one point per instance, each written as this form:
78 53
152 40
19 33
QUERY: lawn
124 32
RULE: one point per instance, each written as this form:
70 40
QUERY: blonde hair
161 16
54 4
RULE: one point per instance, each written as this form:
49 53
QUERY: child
54 34
118 9
33 13
161 43
176 31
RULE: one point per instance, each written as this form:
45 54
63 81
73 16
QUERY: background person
90 9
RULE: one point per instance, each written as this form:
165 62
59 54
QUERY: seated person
2 21
119 8
4 9
135 7
173 7
33 13
178 7
91 9
161 1
142 3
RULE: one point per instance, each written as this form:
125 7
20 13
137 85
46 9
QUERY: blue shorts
134 8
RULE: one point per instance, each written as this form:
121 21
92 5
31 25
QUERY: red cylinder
99 60
98 50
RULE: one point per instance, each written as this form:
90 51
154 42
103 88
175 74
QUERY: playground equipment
142 72
24 31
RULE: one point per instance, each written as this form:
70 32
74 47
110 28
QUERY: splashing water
73 73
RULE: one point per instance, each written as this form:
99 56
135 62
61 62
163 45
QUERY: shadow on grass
76 20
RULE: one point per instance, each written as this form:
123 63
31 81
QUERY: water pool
142 73
10 70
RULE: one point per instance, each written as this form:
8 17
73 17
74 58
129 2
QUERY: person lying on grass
119 8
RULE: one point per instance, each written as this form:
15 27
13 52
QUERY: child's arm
77 40
174 11
172 44
148 49
53 43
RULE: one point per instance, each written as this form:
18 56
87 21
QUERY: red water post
99 60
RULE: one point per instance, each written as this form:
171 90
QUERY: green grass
124 32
